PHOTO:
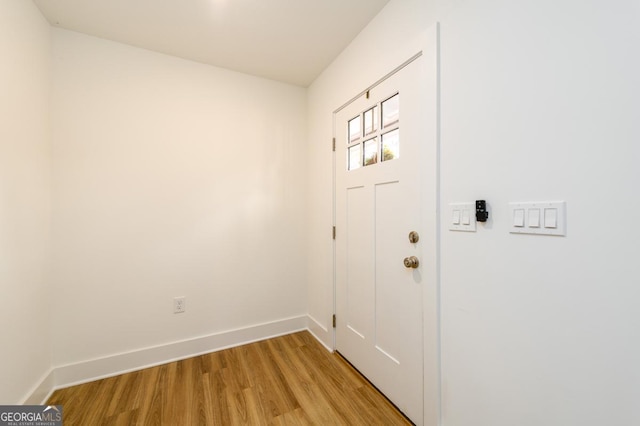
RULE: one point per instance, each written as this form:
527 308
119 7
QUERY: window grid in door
373 136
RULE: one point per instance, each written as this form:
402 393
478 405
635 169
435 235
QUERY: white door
383 143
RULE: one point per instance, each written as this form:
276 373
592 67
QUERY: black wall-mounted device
481 211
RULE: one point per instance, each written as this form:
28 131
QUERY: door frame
432 381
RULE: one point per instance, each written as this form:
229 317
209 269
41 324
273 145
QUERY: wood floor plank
125 394
207 400
288 380
221 413
274 383
151 401
315 402
122 419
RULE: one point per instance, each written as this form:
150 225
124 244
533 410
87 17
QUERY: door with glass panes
380 152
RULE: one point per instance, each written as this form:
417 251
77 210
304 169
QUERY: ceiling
291 41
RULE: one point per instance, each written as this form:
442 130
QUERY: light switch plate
545 211
457 212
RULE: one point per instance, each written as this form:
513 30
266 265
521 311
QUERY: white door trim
377 83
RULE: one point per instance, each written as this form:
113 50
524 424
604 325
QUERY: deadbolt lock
414 237
411 262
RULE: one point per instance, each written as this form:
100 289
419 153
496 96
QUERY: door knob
411 262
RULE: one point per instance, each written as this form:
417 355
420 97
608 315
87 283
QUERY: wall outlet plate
179 304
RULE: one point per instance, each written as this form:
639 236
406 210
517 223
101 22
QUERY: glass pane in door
391 111
371 121
370 152
355 157
391 145
355 129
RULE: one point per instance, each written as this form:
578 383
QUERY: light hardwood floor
288 380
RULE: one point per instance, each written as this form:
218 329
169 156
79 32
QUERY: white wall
539 102
24 199
171 178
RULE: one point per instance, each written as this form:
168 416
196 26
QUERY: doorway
386 235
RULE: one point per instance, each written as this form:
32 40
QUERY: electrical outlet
179 305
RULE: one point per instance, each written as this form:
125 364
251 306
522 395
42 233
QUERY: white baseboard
41 391
322 334
113 365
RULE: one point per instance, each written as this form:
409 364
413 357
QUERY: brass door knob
411 262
